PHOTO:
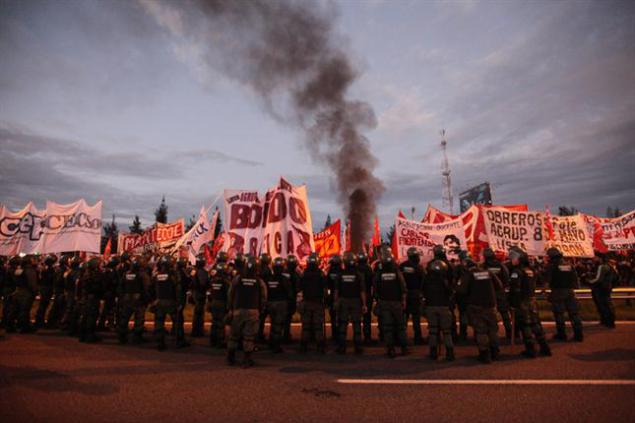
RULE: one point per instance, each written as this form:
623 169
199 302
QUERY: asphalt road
49 377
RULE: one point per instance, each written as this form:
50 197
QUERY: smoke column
289 55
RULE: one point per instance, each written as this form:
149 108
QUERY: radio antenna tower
448 200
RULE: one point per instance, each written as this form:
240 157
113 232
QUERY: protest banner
159 236
507 228
612 234
327 243
288 228
570 235
279 224
200 234
58 228
243 217
424 236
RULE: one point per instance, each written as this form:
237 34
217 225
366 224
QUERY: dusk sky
100 100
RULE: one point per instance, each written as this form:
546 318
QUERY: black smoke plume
287 52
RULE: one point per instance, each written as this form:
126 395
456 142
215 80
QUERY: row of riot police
83 298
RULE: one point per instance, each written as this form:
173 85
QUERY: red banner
157 236
327 242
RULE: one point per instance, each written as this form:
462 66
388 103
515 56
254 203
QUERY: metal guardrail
623 293
582 294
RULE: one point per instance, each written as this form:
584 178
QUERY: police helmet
349 259
413 254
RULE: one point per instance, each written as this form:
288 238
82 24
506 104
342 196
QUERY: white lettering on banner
424 236
58 228
158 236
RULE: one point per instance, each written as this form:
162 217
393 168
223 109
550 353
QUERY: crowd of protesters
85 296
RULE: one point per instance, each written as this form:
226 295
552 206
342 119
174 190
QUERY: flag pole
220 193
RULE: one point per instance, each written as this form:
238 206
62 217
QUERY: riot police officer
200 282
367 272
562 280
220 281
391 291
71 311
266 274
502 302
522 286
279 292
291 272
437 291
91 290
110 283
59 301
312 291
480 286
8 289
350 302
332 275
166 287
26 283
132 296
247 297
413 274
46 282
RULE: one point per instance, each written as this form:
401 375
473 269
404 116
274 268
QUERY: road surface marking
487 381
423 324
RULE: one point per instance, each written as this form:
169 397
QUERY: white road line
487 381
549 324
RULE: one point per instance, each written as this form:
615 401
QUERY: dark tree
191 222
613 212
328 222
219 224
389 235
567 211
111 232
136 226
161 214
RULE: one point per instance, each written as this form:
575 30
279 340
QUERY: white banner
278 224
288 229
615 234
243 220
507 228
424 236
200 234
21 231
61 227
570 236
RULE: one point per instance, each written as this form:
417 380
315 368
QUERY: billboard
480 194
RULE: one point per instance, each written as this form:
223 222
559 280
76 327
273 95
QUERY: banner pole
214 202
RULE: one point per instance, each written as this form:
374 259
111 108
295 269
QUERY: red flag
107 249
218 244
327 243
209 258
548 223
376 241
394 246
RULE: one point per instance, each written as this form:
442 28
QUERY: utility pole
448 199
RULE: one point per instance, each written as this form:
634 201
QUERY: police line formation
94 295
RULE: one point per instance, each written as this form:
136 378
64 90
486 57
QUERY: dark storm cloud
212 155
40 167
549 117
